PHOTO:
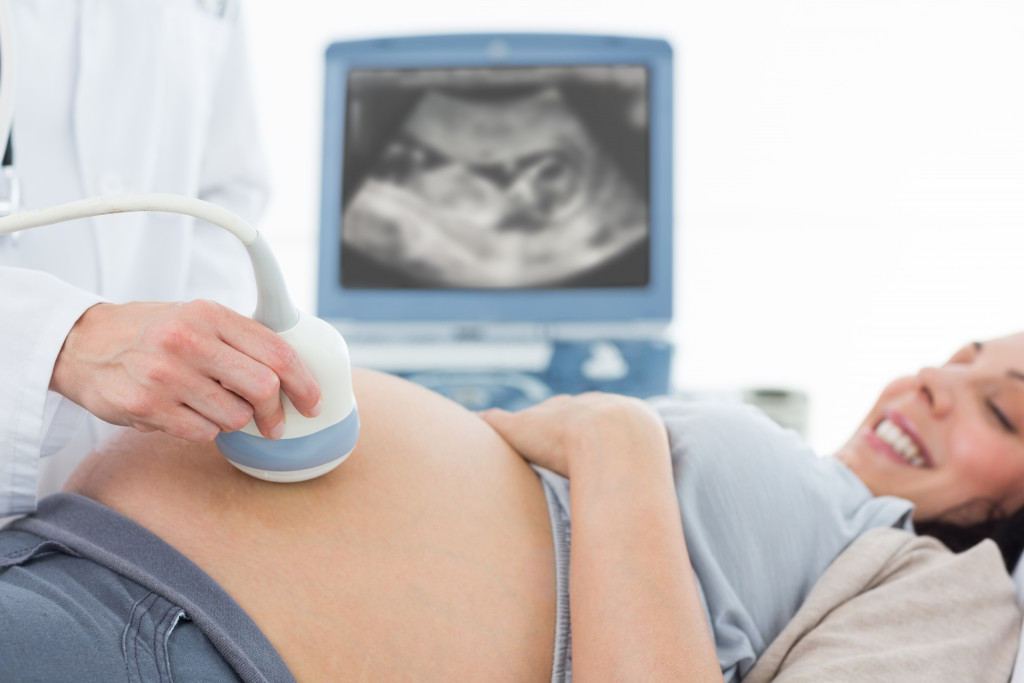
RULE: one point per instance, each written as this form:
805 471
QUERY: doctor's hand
191 370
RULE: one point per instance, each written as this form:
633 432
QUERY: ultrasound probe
309 447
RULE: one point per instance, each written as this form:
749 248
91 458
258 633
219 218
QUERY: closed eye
1001 417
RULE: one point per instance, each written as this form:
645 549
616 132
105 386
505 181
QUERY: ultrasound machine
496 218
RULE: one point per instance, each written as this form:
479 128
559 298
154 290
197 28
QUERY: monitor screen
496 178
517 177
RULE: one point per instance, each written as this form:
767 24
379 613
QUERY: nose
937 385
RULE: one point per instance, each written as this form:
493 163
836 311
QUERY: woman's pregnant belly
427 555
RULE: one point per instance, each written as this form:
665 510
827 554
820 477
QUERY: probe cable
274 307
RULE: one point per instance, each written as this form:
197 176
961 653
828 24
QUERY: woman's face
949 439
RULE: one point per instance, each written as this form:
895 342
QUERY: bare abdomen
427 555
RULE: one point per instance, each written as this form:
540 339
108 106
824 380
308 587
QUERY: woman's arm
635 606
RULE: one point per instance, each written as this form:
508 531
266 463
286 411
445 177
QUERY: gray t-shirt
764 516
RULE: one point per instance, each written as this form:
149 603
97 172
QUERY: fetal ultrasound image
496 178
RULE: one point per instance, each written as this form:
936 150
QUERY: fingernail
315 410
277 431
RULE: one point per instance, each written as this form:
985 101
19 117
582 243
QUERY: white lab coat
115 96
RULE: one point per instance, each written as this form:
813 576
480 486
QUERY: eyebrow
1012 374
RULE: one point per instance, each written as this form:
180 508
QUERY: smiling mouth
902 444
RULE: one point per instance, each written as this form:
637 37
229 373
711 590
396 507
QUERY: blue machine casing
611 310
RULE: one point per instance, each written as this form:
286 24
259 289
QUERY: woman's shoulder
736 447
723 412
716 429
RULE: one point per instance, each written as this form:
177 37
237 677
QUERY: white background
849 173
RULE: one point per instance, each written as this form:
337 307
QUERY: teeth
889 432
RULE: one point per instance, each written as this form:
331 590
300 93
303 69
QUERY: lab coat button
111 183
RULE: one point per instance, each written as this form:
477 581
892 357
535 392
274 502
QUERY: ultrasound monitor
496 197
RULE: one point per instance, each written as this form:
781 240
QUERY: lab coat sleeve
37 310
233 176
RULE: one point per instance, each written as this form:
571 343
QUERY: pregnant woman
695 539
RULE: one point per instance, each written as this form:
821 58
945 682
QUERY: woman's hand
564 432
636 610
